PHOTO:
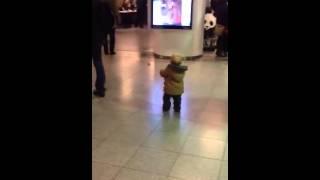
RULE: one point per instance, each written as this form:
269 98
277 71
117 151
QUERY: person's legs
145 15
226 44
97 62
105 44
177 103
221 45
166 102
112 41
137 20
141 19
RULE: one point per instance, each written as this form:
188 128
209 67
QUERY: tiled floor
134 140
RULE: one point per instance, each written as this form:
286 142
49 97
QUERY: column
187 42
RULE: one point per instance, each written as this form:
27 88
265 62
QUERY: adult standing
111 20
220 8
99 28
141 13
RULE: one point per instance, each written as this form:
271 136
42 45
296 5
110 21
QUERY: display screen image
171 14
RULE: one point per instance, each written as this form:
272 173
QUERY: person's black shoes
107 53
165 110
100 93
221 54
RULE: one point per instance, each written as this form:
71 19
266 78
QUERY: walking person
99 28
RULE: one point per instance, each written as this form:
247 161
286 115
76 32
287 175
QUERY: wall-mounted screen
171 14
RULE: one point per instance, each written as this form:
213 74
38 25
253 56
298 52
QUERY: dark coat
142 5
102 19
220 9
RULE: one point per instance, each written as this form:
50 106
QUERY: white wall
184 42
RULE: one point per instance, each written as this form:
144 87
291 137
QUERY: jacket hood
178 68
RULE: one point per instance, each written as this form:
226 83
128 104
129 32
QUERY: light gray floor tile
192 168
103 171
153 161
204 147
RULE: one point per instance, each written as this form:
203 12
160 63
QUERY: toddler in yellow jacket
173 76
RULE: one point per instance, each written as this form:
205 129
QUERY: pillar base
187 58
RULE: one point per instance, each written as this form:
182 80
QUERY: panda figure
210 38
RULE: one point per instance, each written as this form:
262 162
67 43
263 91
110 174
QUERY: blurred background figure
142 13
220 8
111 20
128 5
171 11
99 29
175 6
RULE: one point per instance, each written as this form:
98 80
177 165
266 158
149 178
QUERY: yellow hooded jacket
173 79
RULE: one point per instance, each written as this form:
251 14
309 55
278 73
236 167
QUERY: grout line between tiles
139 146
221 162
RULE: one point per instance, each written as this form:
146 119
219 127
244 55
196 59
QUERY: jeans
111 42
98 64
222 43
167 102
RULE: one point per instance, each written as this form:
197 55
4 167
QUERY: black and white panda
210 22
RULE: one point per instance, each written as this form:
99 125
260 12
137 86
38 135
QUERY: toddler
173 76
